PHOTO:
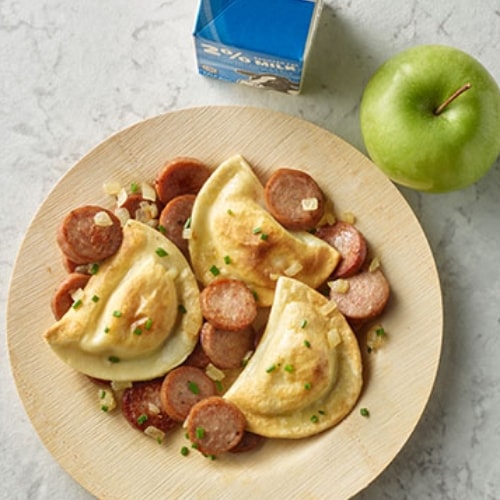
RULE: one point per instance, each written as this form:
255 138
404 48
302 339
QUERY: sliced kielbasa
366 297
228 304
249 442
141 406
294 199
349 242
62 298
182 175
198 357
174 218
182 388
84 239
225 348
215 425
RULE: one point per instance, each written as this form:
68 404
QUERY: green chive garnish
138 331
113 359
215 270
304 323
257 230
104 408
230 212
307 344
380 332
162 229
134 187
161 252
364 412
184 451
200 432
77 304
148 324
307 386
271 369
193 387
314 419
288 368
227 259
264 236
187 224
103 394
218 386
142 419
182 309
95 298
117 314
94 268
106 329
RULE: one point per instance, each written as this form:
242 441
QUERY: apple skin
412 145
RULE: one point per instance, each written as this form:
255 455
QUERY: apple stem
452 97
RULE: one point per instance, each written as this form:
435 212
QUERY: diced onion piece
246 357
112 187
309 204
349 217
123 215
148 192
376 337
120 385
106 398
77 294
214 373
155 433
121 197
187 233
374 264
102 219
274 276
328 308
153 409
293 269
333 338
330 218
339 286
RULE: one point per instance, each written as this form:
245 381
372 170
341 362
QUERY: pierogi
138 317
306 373
233 235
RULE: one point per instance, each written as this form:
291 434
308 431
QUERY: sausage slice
62 299
366 297
83 240
173 219
182 175
215 425
225 348
141 406
349 242
294 199
182 388
228 304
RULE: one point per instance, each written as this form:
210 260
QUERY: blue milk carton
262 43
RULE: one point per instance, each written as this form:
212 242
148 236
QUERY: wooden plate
109 458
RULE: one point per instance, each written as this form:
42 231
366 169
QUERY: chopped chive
194 446
211 457
187 224
380 332
148 324
117 314
227 259
218 386
158 440
200 432
364 412
106 329
314 419
94 268
162 229
95 298
257 230
193 387
138 331
321 412
288 368
184 451
104 408
134 187
307 344
103 394
264 236
113 359
77 304
230 212
215 270
141 419
255 295
161 252
307 386
182 309
271 369
303 324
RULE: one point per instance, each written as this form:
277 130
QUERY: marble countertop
72 73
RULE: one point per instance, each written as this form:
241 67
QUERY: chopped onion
118 385
374 264
148 192
102 219
328 308
333 338
293 269
123 215
77 294
106 398
339 285
187 233
112 188
349 217
309 204
121 197
376 337
155 433
153 409
214 373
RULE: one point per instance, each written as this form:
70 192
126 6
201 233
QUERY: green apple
430 118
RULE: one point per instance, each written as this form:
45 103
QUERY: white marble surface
71 73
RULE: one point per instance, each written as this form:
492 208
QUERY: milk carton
262 43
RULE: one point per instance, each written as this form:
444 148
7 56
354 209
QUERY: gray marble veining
71 73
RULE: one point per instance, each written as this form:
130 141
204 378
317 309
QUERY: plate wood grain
111 460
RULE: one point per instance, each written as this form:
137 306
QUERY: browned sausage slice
182 388
228 304
198 358
225 348
294 199
182 175
173 219
82 239
215 425
249 442
141 406
62 299
349 242
366 297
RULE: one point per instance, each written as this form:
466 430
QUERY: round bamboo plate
109 458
